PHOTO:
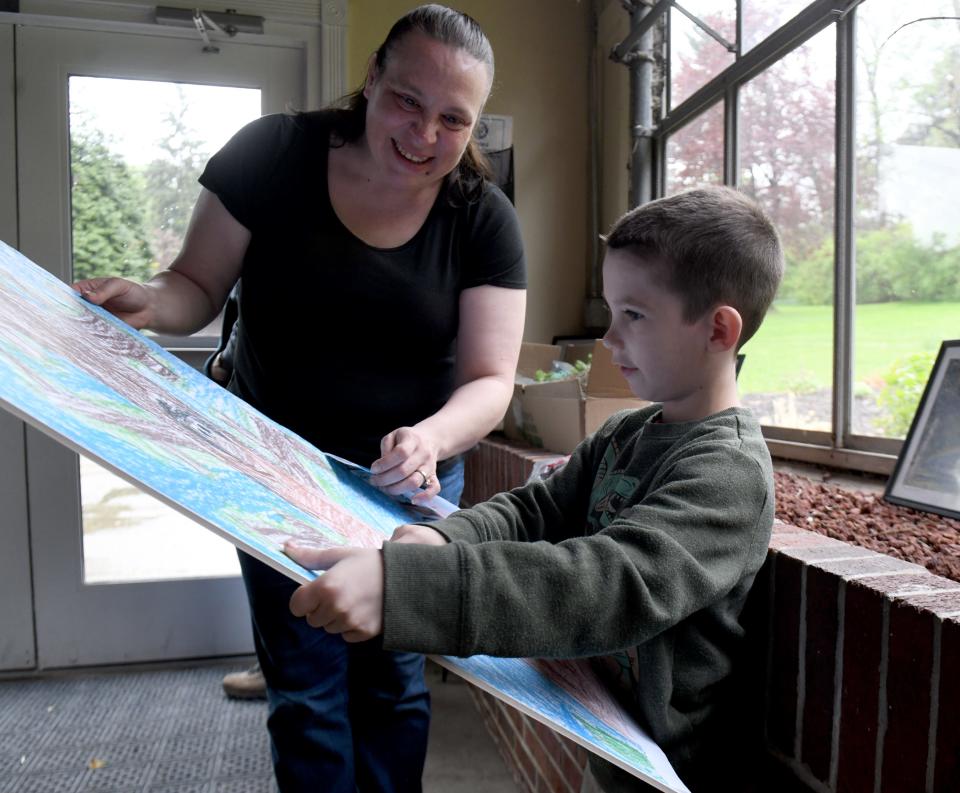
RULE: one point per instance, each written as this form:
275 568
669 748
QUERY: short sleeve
243 173
493 247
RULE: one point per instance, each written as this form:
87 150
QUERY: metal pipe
595 315
622 51
593 100
641 109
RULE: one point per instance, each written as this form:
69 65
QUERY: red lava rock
867 520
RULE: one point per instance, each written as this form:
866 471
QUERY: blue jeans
343 717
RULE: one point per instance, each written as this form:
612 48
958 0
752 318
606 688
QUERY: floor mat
169 731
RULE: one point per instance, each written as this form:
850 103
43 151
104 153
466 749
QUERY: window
695 152
695 51
762 17
136 150
863 186
786 148
908 190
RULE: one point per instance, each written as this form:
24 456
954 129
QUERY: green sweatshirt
642 548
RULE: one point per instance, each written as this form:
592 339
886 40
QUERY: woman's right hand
185 297
124 299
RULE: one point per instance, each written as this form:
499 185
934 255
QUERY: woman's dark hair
450 27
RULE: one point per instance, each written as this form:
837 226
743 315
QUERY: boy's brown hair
713 246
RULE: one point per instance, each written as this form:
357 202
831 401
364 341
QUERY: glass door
113 128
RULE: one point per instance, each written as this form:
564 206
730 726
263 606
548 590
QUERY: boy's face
661 355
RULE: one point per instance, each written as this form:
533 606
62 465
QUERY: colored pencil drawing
104 390
113 394
567 696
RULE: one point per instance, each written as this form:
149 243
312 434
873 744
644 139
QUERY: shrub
903 386
892 265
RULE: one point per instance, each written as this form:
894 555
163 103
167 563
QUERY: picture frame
927 473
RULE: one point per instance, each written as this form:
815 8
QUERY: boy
643 547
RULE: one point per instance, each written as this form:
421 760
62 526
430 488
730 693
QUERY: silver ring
426 478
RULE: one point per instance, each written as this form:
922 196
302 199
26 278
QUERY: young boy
643 547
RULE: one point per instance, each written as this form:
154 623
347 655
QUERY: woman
380 318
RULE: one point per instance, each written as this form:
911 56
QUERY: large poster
101 388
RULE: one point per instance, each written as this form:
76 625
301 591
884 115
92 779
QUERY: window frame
840 447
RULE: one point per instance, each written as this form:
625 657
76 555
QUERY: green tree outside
892 266
109 221
171 182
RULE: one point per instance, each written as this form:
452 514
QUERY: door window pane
695 152
695 56
136 150
786 124
908 194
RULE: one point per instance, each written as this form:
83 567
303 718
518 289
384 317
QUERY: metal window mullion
844 246
668 81
660 141
739 31
731 111
731 137
784 40
659 185
716 36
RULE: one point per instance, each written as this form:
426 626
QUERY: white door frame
80 624
17 649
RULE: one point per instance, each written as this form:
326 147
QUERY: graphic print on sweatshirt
611 490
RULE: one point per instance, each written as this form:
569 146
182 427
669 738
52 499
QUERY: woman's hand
124 299
408 463
218 372
184 298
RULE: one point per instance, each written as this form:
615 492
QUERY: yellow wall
613 25
541 52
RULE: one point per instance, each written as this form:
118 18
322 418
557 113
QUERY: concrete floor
461 755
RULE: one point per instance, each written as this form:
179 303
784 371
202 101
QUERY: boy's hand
348 598
421 535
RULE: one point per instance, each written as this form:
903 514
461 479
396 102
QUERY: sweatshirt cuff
456 527
422 593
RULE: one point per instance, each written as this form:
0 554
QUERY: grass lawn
793 350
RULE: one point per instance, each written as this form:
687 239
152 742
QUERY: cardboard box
558 415
532 357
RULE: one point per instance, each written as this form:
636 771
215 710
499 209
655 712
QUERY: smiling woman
422 103
438 89
374 222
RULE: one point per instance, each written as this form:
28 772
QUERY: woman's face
422 107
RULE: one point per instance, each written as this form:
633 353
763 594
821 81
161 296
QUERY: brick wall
852 666
539 758
863 654
496 464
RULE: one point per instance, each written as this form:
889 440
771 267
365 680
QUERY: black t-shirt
340 341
